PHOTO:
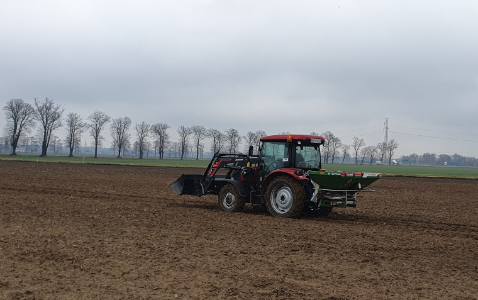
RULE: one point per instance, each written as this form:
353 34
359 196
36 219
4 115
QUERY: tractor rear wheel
229 199
285 197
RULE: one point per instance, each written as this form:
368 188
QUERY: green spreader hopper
342 180
339 189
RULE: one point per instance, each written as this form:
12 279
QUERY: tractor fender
241 188
297 174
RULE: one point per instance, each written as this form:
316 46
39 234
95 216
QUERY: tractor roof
294 137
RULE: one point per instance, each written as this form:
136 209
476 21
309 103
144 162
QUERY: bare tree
127 145
142 132
187 148
49 116
363 153
147 147
120 134
174 147
221 142
135 148
250 138
201 150
356 145
98 121
31 140
334 145
75 127
55 144
217 140
199 133
254 139
234 139
382 149
345 150
155 146
259 134
162 135
392 145
6 140
372 152
329 136
20 118
23 142
184 133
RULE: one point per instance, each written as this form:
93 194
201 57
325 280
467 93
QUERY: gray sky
298 66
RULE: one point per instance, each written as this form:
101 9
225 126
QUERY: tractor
285 178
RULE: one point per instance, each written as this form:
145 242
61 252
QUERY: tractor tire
285 197
230 200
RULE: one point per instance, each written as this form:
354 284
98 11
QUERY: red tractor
286 177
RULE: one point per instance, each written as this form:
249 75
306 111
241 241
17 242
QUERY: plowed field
72 231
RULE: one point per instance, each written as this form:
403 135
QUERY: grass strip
409 171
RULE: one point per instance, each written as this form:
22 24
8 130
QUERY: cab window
307 157
274 156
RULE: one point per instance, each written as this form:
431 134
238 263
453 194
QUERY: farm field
414 171
87 231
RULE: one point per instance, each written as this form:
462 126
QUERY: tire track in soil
117 232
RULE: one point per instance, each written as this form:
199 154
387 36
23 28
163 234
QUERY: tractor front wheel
285 197
230 200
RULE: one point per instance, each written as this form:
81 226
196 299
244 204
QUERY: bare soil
71 231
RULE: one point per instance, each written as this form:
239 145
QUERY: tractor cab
291 151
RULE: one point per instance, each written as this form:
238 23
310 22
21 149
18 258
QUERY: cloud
270 65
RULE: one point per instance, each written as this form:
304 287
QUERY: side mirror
251 148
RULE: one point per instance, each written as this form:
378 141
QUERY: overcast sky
297 66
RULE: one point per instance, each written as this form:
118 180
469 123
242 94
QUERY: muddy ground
72 231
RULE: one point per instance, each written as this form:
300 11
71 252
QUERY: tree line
48 117
23 117
431 159
334 148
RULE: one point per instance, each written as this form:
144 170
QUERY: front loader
286 177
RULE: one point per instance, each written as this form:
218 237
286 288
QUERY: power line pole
385 141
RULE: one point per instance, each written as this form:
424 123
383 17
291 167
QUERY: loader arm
199 185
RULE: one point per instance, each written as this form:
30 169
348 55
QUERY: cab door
275 155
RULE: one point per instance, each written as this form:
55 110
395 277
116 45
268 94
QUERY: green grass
415 171
89 159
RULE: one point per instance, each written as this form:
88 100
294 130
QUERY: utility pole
385 141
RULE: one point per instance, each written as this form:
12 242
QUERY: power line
435 137
362 134
432 130
360 129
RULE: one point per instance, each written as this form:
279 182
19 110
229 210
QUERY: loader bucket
188 185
